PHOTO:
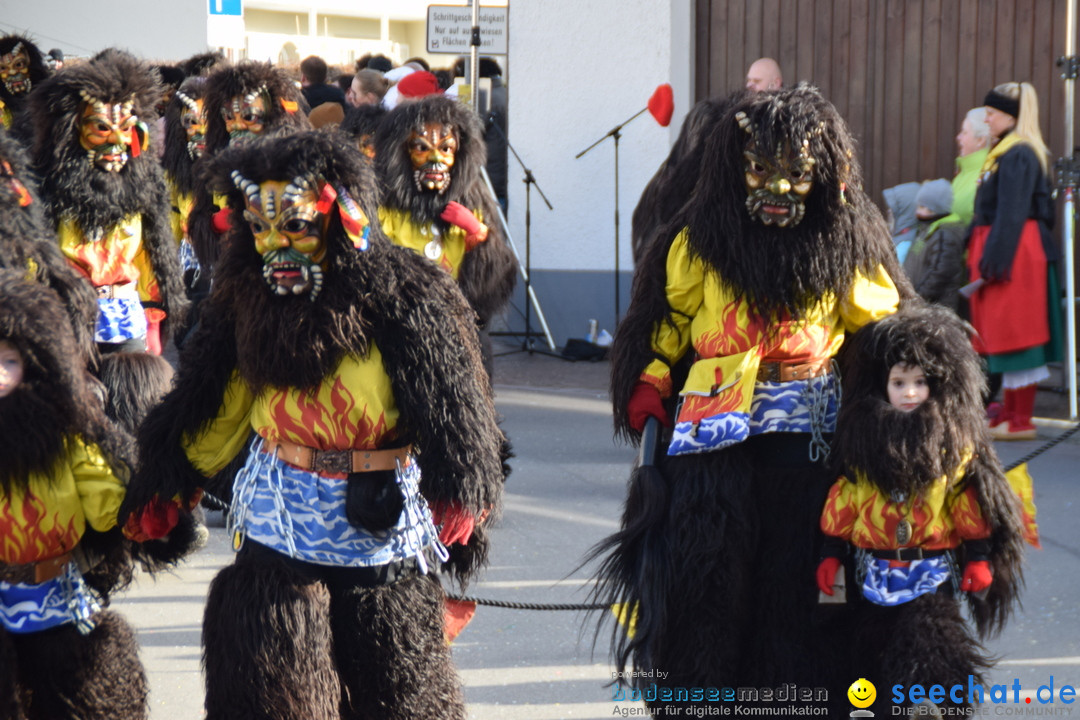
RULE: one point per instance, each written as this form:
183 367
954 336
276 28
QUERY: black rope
1039 451
525 606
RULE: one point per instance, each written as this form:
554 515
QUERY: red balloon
662 104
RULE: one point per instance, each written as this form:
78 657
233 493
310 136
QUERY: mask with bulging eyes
109 133
245 116
289 233
15 70
432 152
777 183
193 120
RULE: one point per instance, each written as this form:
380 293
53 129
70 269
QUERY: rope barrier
1040 450
218 504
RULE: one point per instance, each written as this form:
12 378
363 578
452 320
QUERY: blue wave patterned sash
29 608
884 585
795 406
301 514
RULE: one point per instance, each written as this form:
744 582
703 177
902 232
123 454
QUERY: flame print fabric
722 402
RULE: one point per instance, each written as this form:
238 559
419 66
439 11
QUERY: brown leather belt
786 372
48 569
339 461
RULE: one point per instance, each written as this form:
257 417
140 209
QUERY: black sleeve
1017 175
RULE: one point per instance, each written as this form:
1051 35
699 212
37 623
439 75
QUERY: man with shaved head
764 74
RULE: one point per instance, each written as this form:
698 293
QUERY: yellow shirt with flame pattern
940 516
48 517
353 408
730 344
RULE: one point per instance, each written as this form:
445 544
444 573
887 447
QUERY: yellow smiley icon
862 693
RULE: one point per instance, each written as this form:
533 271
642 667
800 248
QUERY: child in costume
61 484
923 501
356 365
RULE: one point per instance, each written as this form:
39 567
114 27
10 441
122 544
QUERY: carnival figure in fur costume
356 363
185 144
429 154
28 246
22 69
106 197
924 504
729 342
241 102
61 485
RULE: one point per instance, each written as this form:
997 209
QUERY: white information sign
449 29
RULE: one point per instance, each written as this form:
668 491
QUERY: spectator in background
900 215
368 88
973 144
1016 313
495 119
313 84
764 74
375 62
420 62
935 260
55 59
344 81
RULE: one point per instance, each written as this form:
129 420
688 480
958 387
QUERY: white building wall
578 69
166 31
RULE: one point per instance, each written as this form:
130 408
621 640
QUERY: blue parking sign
226 7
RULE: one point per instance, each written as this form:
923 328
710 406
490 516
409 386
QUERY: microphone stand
528 344
615 133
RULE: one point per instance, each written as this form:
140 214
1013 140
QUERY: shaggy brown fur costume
670 188
927 640
39 72
60 673
224 84
25 241
97 200
717 550
489 271
346 651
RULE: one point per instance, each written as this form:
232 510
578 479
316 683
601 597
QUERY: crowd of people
329 290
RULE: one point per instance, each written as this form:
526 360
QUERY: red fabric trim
1012 315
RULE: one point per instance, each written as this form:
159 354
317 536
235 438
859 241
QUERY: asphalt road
564 495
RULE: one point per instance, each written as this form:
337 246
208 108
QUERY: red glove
455 522
826 574
977 576
457 214
153 337
158 518
221 221
644 403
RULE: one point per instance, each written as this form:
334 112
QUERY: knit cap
935 196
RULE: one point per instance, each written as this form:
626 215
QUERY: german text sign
449 29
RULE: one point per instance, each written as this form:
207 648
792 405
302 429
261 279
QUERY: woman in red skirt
1016 312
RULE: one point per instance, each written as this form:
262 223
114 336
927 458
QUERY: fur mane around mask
230 81
489 271
25 240
387 295
907 451
178 164
97 200
672 185
71 186
294 341
38 70
778 271
54 400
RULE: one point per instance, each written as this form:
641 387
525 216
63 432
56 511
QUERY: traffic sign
449 29
226 7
